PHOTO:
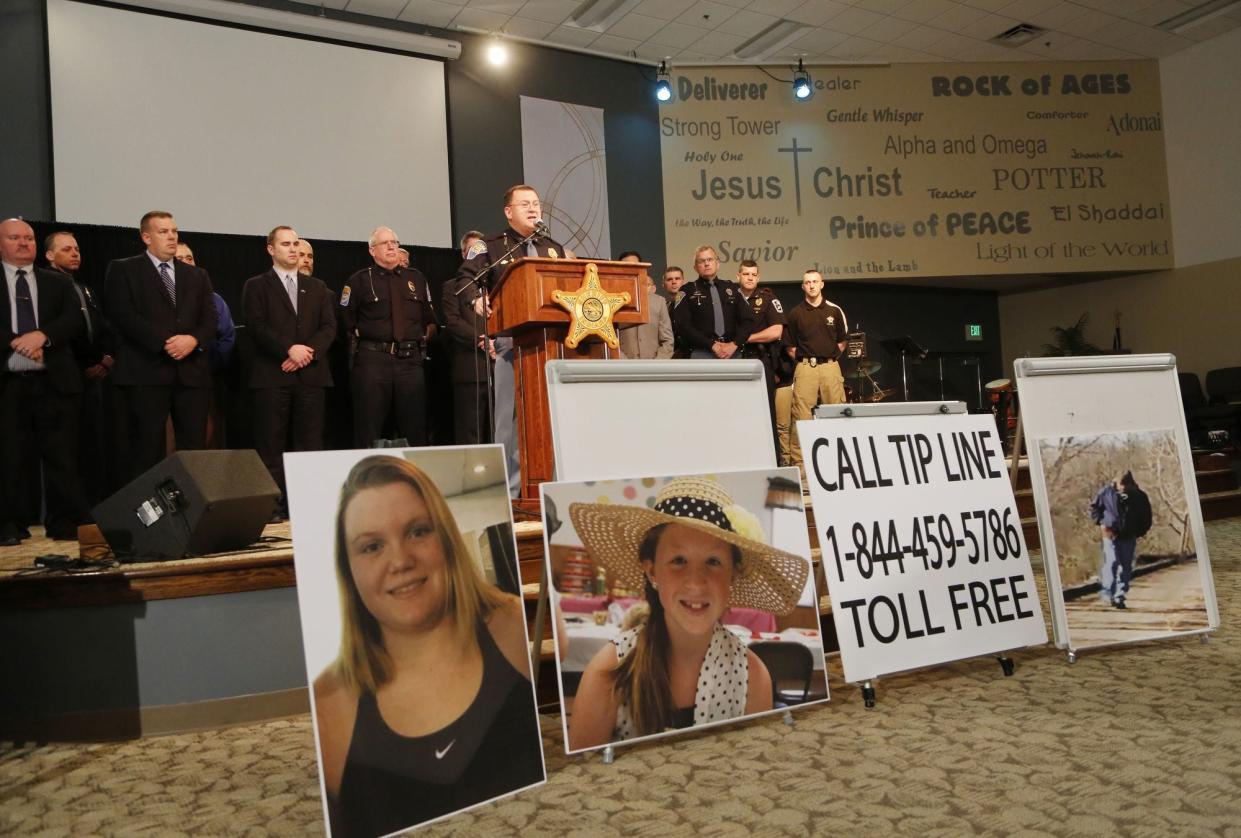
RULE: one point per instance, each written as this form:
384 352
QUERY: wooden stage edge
137 722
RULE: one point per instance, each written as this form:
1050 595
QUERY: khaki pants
784 423
812 385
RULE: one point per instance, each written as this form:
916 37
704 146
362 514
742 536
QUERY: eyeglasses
526 205
392 243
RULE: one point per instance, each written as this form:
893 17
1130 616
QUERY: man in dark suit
165 323
40 385
291 321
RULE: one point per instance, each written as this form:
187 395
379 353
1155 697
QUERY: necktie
170 287
25 305
532 249
83 294
717 308
290 286
394 294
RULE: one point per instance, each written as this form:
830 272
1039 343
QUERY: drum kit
860 384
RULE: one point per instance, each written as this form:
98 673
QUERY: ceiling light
762 45
663 87
1198 15
600 14
802 87
497 52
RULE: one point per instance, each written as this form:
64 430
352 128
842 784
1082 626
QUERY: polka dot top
722 681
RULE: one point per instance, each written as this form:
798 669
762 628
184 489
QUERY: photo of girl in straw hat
692 555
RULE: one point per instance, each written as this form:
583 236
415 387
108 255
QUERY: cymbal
865 367
881 394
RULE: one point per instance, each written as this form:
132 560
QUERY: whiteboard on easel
616 419
1099 432
921 540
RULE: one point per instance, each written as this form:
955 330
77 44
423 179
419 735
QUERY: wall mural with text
920 169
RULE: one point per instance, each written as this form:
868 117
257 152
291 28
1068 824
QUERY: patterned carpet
1142 740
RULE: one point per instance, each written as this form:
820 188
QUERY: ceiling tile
526 28
1159 11
549 11
1055 17
747 23
1022 9
854 20
718 43
818 40
987 27
1210 28
924 10
572 37
736 4
508 8
888 29
883 7
919 38
1089 23
706 14
331 4
480 19
652 52
663 9
956 17
429 12
677 35
986 5
857 48
636 26
776 8
816 12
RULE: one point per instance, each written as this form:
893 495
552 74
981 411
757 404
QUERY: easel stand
928 409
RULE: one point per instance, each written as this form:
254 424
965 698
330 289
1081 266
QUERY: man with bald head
165 323
306 258
40 386
389 319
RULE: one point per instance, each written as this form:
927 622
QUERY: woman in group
428 709
695 554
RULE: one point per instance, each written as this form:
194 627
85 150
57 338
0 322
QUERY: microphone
540 229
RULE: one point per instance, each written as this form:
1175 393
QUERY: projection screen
237 131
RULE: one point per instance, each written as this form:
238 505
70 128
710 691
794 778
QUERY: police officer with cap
389 318
485 262
712 319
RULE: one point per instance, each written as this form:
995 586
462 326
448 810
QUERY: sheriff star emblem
590 310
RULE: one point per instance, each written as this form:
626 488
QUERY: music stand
906 346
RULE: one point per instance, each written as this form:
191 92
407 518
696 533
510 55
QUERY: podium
522 307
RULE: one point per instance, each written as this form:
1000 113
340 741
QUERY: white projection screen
237 131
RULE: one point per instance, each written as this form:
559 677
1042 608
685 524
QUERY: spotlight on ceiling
497 52
663 87
802 88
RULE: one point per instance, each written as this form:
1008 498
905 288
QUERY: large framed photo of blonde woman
680 603
414 634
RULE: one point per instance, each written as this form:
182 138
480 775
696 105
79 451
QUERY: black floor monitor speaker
192 504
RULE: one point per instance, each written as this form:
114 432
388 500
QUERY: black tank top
392 782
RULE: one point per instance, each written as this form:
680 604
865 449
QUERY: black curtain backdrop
231 260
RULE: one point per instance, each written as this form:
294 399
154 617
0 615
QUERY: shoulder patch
476 249
344 296
775 303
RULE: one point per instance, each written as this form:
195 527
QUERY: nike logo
440 754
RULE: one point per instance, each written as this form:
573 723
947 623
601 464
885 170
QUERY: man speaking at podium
485 262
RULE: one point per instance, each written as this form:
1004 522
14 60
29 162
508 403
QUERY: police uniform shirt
494 251
694 316
816 331
767 312
366 299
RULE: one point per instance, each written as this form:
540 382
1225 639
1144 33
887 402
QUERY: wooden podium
522 307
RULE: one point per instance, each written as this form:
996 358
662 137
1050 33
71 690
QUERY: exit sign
973 331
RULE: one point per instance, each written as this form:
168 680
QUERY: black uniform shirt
767 312
366 299
694 316
492 251
816 332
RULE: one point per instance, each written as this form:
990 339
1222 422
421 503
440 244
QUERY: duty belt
815 360
391 347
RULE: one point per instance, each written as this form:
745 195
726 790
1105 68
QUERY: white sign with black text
921 541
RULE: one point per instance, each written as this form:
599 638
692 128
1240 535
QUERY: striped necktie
170 287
